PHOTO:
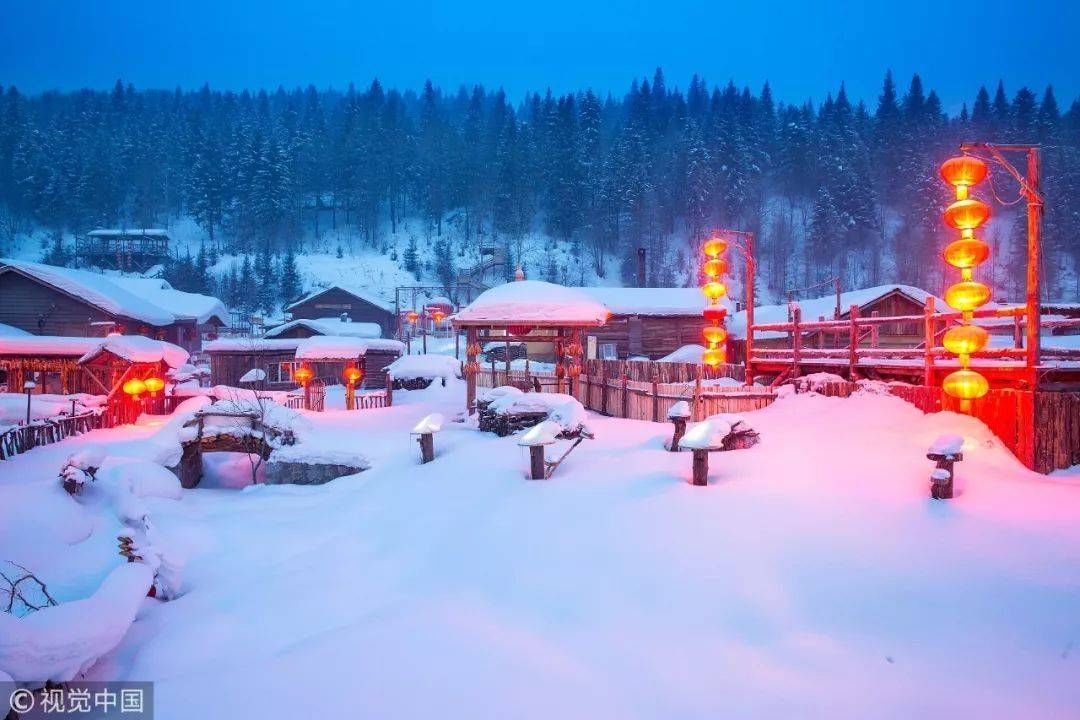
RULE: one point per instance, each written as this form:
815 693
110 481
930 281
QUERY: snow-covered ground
812 578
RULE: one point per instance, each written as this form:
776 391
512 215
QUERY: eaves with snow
533 302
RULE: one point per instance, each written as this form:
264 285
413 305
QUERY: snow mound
141 478
494 393
411 367
685 354
562 409
543 433
430 424
706 435
60 642
680 409
947 445
534 302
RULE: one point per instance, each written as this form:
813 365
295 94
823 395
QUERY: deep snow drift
813 577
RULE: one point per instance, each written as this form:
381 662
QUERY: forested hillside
831 188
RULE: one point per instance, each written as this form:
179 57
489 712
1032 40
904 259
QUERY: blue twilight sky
803 48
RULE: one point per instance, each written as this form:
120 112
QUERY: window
608 351
281 372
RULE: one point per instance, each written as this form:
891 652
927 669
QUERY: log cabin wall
226 368
651 336
334 301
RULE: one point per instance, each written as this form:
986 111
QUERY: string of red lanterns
968 252
715 334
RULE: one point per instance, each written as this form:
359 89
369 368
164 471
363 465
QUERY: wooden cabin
232 358
360 306
644 322
123 249
56 301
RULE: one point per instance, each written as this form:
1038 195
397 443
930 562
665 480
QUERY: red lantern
412 316
967 214
963 172
966 253
714 334
714 246
154 385
713 357
352 375
303 375
714 313
519 330
437 315
134 387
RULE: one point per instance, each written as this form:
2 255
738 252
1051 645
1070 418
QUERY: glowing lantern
714 290
352 375
713 357
134 387
714 246
412 316
714 335
965 384
437 315
303 375
715 313
714 268
967 295
967 214
965 339
963 173
966 253
154 384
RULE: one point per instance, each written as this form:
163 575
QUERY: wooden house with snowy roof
49 300
358 305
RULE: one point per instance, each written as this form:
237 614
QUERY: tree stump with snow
945 452
678 415
700 475
424 432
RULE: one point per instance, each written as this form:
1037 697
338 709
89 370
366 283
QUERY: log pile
504 424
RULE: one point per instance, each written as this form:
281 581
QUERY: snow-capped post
536 439
424 432
28 387
678 414
945 451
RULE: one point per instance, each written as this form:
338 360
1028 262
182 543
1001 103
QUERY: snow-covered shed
359 304
342 326
50 300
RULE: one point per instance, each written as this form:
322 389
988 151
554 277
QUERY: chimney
641 267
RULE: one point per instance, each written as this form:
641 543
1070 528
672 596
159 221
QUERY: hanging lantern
967 214
963 172
352 375
437 315
154 384
714 268
714 290
518 330
134 387
966 253
713 357
715 313
965 384
303 374
412 316
714 246
965 339
714 335
967 295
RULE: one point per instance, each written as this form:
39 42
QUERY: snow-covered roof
138 349
649 301
534 302
183 305
362 293
825 306
329 326
137 232
251 345
152 301
336 347
409 367
47 345
12 331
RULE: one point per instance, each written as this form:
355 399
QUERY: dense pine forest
832 188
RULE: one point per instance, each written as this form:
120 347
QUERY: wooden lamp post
352 375
303 375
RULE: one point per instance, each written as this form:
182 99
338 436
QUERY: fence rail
16 440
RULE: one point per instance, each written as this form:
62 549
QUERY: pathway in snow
812 578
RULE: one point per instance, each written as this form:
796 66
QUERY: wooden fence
16 440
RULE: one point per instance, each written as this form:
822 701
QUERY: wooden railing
19 439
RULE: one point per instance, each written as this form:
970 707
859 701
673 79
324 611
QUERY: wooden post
507 359
941 481
751 272
796 340
625 395
536 462
701 467
874 334
676 436
1018 333
471 370
655 397
1034 303
389 390
603 387
853 343
696 408
820 335
929 333
427 447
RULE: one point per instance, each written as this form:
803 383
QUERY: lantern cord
1006 203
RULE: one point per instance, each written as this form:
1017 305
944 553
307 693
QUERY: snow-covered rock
411 367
